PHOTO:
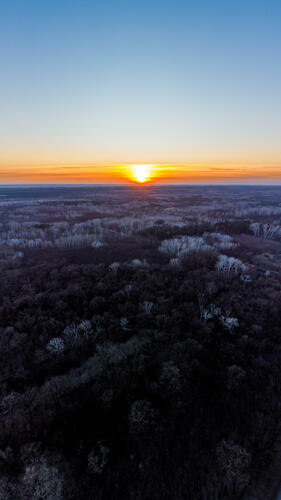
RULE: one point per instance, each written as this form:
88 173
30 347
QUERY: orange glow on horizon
140 173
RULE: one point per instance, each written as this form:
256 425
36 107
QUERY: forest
140 342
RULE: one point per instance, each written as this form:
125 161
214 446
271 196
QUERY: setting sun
141 173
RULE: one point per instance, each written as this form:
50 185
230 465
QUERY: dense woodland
140 343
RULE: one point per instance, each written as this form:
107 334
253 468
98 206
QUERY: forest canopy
140 342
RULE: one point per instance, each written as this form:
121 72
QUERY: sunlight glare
141 173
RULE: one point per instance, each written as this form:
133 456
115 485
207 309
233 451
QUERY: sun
141 173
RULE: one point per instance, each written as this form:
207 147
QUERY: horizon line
136 185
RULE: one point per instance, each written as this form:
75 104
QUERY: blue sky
120 81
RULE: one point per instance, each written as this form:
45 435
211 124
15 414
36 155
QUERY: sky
90 88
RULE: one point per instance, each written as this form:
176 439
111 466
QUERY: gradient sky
87 87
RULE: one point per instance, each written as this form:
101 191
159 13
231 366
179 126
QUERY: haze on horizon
89 89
